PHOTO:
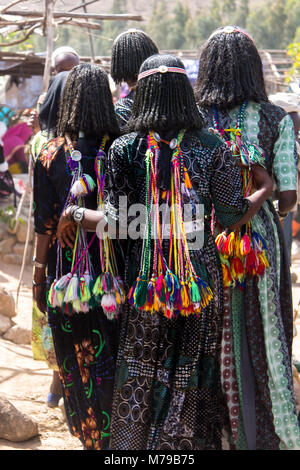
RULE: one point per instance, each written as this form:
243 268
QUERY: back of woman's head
87 103
164 100
129 51
230 70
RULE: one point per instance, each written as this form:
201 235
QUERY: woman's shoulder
50 150
205 138
270 111
124 141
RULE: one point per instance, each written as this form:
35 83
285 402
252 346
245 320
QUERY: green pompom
140 296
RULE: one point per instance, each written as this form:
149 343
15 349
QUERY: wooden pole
49 31
60 14
89 34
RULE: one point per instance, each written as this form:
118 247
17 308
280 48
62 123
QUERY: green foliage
14 36
8 216
159 23
294 52
274 23
177 31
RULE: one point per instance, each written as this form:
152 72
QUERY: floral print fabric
85 344
267 302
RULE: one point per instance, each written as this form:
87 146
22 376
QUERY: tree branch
26 36
82 24
4 22
10 5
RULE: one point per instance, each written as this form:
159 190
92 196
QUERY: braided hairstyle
230 70
129 51
164 101
87 103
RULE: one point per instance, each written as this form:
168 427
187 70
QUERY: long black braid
129 51
87 103
230 70
164 101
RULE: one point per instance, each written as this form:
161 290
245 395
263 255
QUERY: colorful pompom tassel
227 278
151 292
172 285
229 244
83 186
109 305
140 295
245 245
98 289
84 291
194 292
205 292
131 293
251 263
63 282
51 294
72 290
220 241
76 305
237 269
262 263
160 287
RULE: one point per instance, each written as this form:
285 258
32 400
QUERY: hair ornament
161 69
230 30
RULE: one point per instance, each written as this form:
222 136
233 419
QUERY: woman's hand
66 231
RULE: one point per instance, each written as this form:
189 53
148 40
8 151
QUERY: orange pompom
245 245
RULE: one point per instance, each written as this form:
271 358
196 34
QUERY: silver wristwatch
78 215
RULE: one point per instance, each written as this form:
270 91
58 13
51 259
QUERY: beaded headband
161 69
231 29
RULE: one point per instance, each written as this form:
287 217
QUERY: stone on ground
15 426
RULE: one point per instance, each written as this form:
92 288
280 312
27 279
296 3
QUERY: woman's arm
45 222
264 185
117 186
287 200
39 273
66 230
231 207
285 165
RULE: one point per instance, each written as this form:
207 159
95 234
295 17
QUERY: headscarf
290 102
48 114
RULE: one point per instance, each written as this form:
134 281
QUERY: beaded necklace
243 251
80 289
168 286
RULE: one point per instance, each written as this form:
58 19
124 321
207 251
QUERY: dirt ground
25 382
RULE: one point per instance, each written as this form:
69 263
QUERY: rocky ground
25 382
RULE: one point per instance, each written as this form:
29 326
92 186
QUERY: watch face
78 215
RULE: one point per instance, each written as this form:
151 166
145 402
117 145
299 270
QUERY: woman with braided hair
256 352
85 340
167 385
129 51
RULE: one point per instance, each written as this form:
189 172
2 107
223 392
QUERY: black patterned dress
258 328
167 388
123 109
85 343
